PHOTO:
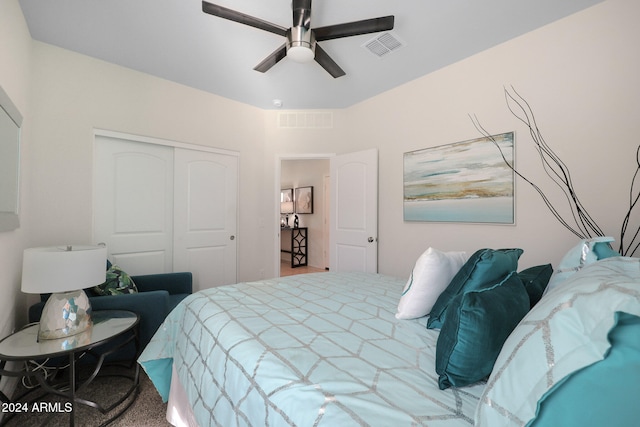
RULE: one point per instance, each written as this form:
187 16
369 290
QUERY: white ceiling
175 40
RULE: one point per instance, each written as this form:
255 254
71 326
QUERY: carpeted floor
146 411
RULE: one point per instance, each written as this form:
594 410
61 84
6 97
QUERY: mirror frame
10 221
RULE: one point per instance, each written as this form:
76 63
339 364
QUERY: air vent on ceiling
383 44
305 120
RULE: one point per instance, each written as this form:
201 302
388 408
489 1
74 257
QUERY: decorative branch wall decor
634 195
463 182
579 221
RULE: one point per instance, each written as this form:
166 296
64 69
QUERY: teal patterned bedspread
320 349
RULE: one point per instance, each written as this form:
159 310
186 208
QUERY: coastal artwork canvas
467 181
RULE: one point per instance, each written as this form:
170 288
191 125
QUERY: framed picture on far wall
286 201
304 200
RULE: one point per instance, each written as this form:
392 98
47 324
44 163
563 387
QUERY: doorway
353 219
311 175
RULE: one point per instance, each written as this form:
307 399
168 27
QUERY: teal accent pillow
484 268
604 250
117 283
604 393
535 280
477 325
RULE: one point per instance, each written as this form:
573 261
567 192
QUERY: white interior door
326 225
205 213
354 212
133 204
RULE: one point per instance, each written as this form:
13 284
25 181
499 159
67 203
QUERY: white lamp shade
63 268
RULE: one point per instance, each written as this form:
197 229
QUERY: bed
331 349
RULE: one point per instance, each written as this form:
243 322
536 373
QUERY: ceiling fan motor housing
301 42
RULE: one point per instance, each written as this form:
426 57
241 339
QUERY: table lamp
286 208
63 271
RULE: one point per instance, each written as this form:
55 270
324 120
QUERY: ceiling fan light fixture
301 44
300 53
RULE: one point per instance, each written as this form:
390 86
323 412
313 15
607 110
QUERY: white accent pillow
430 276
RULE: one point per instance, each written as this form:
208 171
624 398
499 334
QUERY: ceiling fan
302 41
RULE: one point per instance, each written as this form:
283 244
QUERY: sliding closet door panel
205 214
133 204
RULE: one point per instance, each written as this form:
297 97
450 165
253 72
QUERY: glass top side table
107 324
23 345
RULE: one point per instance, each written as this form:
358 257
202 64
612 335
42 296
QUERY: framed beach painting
468 181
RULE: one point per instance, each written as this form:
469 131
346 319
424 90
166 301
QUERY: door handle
232 237
370 239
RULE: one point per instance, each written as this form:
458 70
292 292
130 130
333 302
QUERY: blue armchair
157 295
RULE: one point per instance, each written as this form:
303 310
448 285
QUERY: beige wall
579 74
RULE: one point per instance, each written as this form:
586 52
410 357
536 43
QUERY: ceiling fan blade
327 63
232 15
272 59
365 26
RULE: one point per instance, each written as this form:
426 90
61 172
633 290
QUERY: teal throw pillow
535 280
604 393
484 268
478 323
603 250
117 283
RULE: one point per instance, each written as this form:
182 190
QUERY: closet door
205 213
133 204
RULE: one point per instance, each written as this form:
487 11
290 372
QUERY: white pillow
430 276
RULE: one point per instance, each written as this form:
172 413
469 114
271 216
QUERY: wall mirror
10 123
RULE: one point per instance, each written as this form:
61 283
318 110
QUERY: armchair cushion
174 283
